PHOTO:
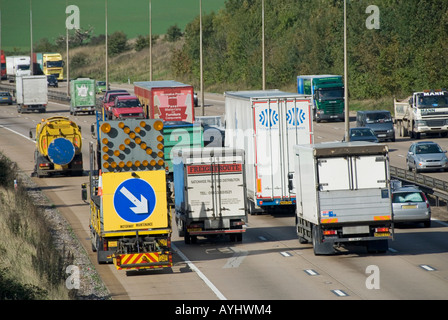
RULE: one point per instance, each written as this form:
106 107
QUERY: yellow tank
58 146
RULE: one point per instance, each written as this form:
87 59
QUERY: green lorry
179 135
327 92
82 96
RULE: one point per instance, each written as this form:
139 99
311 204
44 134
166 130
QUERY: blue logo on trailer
295 116
268 118
134 200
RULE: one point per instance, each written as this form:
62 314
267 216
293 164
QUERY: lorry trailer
343 195
267 124
31 93
210 193
166 99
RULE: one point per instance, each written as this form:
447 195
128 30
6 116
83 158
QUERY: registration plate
285 202
382 234
409 207
194 229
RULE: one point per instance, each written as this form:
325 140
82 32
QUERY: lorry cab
380 121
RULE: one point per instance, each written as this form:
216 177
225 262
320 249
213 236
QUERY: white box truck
267 124
31 93
343 195
17 66
209 193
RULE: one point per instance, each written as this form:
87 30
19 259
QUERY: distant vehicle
409 204
327 92
17 66
168 100
31 93
126 106
422 113
109 99
101 87
362 134
82 96
380 121
52 81
5 97
46 63
426 156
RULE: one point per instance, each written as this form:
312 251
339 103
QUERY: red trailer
168 100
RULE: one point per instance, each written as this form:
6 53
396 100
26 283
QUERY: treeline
408 51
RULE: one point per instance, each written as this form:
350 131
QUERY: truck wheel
319 247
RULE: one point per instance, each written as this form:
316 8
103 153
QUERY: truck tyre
319 247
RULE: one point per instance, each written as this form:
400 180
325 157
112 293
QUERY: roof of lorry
336 149
260 94
160 84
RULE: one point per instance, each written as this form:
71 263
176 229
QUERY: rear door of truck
215 186
353 189
280 123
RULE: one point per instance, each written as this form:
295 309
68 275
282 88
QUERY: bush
117 43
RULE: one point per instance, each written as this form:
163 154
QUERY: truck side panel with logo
167 100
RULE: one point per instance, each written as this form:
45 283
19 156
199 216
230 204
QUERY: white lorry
31 93
209 193
17 66
267 124
424 112
343 195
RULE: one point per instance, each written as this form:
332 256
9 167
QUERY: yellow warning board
134 200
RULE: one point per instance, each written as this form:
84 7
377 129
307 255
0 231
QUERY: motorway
270 263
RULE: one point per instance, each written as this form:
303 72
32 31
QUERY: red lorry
167 99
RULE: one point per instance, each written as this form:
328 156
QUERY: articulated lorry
210 193
424 113
48 63
58 147
82 96
343 195
327 92
267 124
17 66
31 93
166 99
130 221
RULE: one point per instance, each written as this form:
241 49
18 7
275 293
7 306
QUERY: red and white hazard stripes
149 260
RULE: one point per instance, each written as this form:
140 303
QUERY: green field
131 17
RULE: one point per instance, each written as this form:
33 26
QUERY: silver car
409 204
426 156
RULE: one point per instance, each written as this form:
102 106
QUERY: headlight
420 123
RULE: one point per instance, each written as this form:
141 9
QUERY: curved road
269 264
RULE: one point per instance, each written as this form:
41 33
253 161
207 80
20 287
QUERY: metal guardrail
436 187
52 94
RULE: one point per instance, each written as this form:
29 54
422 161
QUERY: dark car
426 156
5 97
52 81
362 134
380 121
